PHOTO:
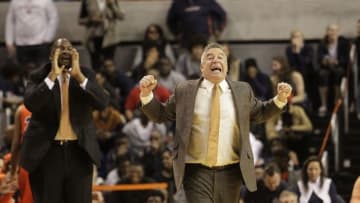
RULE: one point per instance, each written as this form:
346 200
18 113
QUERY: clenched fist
147 85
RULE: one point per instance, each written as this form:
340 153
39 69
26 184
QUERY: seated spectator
293 126
283 73
119 152
154 34
152 155
165 174
188 63
333 58
122 83
119 173
107 122
314 187
104 83
155 196
139 131
168 77
286 160
136 176
259 81
234 64
288 197
150 59
301 58
133 99
269 187
355 197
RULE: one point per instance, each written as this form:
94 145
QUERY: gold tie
214 126
65 131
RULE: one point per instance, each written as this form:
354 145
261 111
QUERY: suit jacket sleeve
159 112
262 110
98 97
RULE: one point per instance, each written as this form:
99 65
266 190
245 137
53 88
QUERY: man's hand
147 84
55 69
283 91
75 71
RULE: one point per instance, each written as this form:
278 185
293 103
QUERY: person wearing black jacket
60 146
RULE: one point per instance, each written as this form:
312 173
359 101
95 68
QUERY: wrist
80 78
52 76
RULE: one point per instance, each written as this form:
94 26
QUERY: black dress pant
212 185
36 55
64 176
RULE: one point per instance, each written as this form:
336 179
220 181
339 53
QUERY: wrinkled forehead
62 44
214 52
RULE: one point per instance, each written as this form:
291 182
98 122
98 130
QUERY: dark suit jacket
180 108
45 105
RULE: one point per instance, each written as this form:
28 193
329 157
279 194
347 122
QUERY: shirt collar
209 85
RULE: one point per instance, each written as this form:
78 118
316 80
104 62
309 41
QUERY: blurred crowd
136 150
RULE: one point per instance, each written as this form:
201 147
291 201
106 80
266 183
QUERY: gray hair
212 45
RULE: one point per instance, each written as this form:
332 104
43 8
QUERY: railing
130 187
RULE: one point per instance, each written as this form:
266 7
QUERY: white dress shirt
31 22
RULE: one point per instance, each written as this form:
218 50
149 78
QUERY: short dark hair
271 169
156 193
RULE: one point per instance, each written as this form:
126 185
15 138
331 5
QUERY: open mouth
216 69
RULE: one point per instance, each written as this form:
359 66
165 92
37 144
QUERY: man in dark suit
60 146
212 152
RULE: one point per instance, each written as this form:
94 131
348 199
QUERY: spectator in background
287 196
30 28
119 153
282 72
187 18
122 83
150 59
152 154
154 35
136 176
22 119
355 197
188 63
119 173
259 81
165 174
234 69
301 58
155 196
101 19
333 58
293 126
12 83
168 77
139 130
314 187
269 187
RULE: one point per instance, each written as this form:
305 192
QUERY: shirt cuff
147 99
49 83
83 84
279 103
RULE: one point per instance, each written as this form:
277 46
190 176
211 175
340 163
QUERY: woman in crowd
314 187
154 36
282 72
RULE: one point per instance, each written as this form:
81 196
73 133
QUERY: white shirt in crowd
31 22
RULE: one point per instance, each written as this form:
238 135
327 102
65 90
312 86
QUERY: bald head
65 51
332 32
